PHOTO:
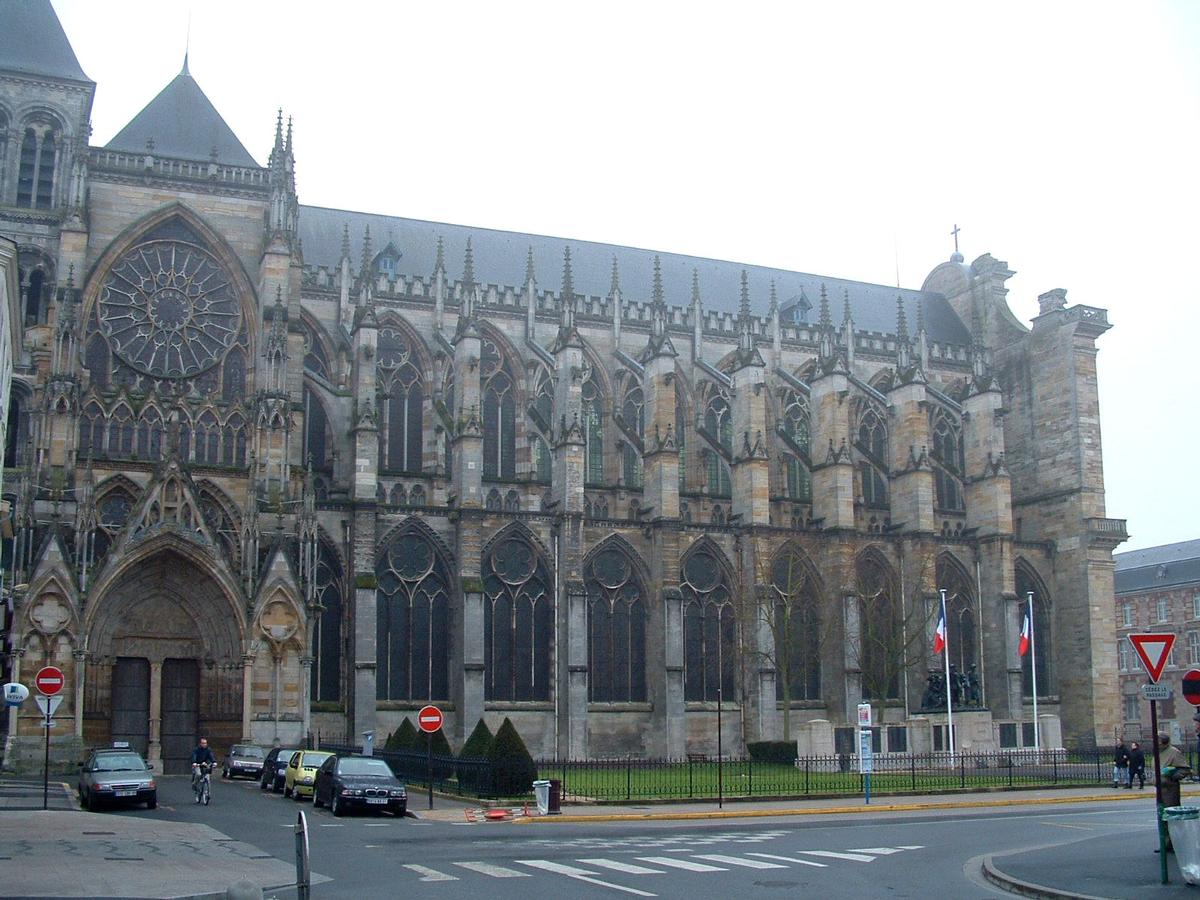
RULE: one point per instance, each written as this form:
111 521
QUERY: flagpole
1037 741
946 660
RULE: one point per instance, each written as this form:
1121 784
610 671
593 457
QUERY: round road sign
49 680
1191 686
430 719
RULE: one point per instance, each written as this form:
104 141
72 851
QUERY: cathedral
277 472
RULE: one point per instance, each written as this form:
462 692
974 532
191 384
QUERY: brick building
1158 589
280 469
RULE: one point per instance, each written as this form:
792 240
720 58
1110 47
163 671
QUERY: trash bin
541 793
1184 824
555 796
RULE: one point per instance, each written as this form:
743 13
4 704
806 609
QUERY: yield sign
1153 650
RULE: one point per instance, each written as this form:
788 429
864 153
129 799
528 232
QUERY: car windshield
311 760
364 767
119 762
248 752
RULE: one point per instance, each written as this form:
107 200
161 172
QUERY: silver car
245 760
116 775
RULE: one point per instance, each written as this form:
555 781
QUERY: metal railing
700 778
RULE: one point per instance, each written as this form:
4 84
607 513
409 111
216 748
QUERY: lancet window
616 628
947 454
634 415
795 620
1041 633
718 423
871 442
112 514
402 402
499 413
881 646
962 636
36 168
709 627
518 622
318 445
413 619
794 433
593 433
329 589
16 435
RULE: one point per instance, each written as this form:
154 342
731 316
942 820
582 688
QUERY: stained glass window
881 638
316 434
499 414
709 627
872 445
593 433
616 629
947 456
327 627
634 415
961 635
112 514
413 616
795 620
518 622
718 422
1042 637
795 426
402 402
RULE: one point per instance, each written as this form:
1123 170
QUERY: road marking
803 862
831 854
910 847
738 861
378 824
676 863
878 851
331 824
580 875
430 874
1065 825
625 867
488 869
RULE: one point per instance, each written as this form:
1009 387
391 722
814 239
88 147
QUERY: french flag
1023 647
939 636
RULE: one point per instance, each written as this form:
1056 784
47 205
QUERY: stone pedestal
814 738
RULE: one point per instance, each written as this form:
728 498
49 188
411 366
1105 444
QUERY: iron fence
699 777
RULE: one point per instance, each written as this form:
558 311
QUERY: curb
833 810
1027 888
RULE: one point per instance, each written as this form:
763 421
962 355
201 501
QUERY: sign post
866 758
429 720
1154 649
49 681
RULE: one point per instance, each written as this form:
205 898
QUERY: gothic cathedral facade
277 471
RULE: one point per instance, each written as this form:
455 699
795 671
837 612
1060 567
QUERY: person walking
1174 768
1120 765
1137 765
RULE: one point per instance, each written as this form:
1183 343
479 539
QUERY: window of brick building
1127 615
1164 609
1132 711
1193 643
1123 655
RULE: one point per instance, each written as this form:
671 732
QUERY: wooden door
180 714
131 702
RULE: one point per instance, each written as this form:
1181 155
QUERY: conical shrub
513 769
404 738
473 753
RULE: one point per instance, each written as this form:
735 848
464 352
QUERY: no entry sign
430 719
1191 686
49 680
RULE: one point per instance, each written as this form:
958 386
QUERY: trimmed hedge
476 747
513 769
772 751
405 737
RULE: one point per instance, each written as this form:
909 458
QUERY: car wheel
88 803
401 810
152 803
335 807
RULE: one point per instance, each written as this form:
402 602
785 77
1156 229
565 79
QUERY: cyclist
201 756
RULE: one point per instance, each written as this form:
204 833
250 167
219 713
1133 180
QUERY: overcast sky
843 139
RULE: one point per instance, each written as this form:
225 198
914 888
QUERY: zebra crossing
682 861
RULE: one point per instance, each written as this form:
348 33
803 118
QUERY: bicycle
202 782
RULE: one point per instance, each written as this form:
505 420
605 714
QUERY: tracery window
616 628
543 467
329 588
543 401
633 412
518 622
947 457
207 439
91 431
709 627
593 433
402 402
35 175
316 360
794 425
413 615
795 620
881 642
1043 634
718 422
681 436
16 435
149 434
962 636
871 443
221 525
499 413
112 514
317 442
120 432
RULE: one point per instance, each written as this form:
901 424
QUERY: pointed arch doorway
164 656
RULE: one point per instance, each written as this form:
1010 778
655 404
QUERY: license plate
377 799
125 793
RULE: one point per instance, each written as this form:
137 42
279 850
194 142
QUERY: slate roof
183 124
32 41
1157 568
500 259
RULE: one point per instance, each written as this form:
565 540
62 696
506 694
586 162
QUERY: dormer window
387 267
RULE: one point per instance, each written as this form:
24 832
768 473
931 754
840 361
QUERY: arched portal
164 656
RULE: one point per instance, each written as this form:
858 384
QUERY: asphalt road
894 855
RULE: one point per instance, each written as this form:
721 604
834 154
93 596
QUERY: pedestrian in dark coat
1120 765
1137 765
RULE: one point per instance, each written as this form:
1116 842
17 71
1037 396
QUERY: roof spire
901 321
278 132
187 45
468 275
695 287
439 264
568 281
365 267
346 241
289 136
614 286
846 317
823 318
656 288
529 276
744 304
